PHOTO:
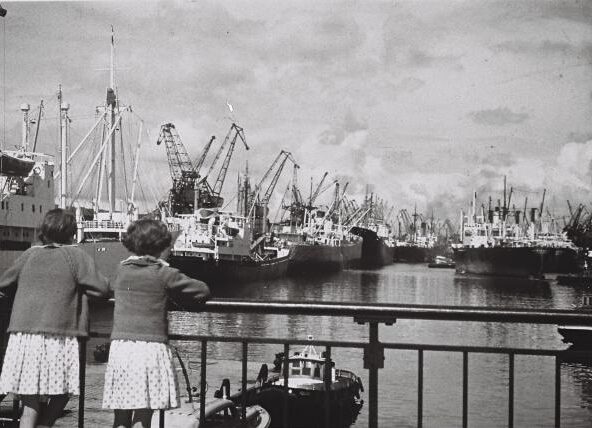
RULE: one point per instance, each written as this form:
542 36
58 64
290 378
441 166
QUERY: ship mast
63 148
111 105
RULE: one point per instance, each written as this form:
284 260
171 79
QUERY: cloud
498 117
579 137
352 131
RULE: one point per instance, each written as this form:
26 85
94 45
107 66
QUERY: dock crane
190 190
181 196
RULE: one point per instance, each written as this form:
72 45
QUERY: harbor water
416 284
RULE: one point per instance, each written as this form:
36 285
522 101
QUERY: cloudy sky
423 101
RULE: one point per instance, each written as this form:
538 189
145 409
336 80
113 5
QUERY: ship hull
306 258
352 254
412 254
375 252
515 261
106 254
306 406
308 411
230 271
561 260
501 261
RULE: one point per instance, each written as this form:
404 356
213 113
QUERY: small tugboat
441 262
310 378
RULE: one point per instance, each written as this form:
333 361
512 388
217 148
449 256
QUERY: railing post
16 407
286 388
244 382
465 391
373 360
202 383
511 391
420 388
327 381
82 380
557 391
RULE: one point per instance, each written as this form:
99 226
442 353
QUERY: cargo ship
377 242
217 247
26 194
104 198
507 243
321 245
377 248
29 185
415 241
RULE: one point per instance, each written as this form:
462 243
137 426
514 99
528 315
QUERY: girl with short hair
140 375
49 314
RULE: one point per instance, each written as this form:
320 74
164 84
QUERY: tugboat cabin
307 369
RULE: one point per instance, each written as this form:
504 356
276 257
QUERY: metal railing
373 349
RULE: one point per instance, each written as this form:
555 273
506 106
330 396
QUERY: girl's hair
59 227
147 237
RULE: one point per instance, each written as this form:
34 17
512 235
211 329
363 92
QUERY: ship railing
102 224
373 349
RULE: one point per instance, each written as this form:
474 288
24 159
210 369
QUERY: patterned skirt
140 375
40 364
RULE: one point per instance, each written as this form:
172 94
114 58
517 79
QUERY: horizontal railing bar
403 311
361 345
480 349
407 311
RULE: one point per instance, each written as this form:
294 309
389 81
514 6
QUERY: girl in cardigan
140 376
49 314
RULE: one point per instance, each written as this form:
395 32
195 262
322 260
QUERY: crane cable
3 83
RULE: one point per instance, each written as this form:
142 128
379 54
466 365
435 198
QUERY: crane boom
271 168
274 180
217 189
202 158
316 193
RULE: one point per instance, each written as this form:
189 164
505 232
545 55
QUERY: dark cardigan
53 283
142 289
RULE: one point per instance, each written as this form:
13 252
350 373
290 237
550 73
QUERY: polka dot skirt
140 375
40 364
